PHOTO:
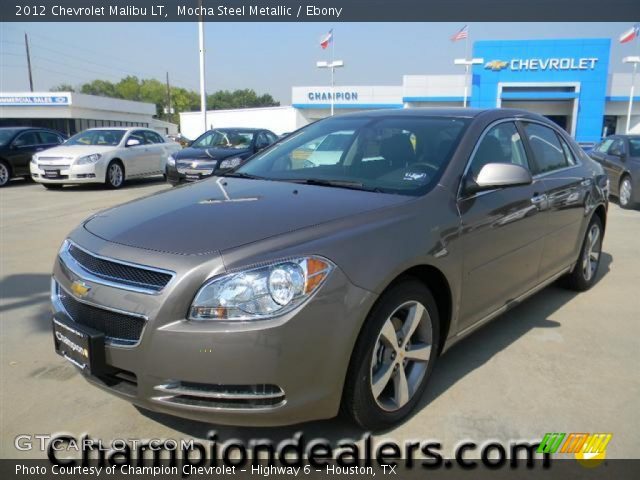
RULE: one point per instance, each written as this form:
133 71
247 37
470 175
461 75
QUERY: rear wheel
393 357
626 192
584 273
5 174
115 175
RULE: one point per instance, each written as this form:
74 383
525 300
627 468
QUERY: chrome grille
119 273
117 327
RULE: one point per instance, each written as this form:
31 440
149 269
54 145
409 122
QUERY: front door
502 230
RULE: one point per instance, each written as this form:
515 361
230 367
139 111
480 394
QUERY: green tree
63 87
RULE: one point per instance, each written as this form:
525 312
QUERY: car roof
246 129
460 112
20 128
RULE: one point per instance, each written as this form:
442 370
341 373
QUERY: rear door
565 190
156 146
502 230
137 158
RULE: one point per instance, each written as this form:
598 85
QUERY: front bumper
271 372
68 173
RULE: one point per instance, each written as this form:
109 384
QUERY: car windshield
634 147
226 138
395 154
97 137
6 134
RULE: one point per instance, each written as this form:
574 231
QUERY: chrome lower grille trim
227 397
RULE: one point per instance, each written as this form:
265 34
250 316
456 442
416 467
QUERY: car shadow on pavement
468 355
129 185
24 290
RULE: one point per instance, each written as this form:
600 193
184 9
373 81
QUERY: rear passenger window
153 137
571 159
49 138
547 150
501 144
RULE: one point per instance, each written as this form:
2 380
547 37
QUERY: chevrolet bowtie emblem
194 164
496 65
80 288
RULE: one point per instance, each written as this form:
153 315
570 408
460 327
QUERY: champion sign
532 64
27 100
337 96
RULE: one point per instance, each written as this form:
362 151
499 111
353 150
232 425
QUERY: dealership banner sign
37 99
530 64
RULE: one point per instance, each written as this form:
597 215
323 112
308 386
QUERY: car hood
191 153
74 151
221 213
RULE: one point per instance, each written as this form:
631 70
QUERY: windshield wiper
337 184
240 175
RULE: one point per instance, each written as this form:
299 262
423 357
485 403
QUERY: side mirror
498 175
132 142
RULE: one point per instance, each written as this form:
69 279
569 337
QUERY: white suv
103 155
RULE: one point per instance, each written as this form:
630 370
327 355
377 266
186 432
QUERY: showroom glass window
501 144
401 155
547 150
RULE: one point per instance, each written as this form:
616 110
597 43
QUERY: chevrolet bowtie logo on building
80 289
496 65
589 448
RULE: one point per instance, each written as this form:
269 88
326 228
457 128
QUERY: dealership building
70 112
568 81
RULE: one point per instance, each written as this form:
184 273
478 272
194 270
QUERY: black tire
579 280
52 186
358 400
626 200
5 173
111 181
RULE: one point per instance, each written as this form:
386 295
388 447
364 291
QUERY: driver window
501 144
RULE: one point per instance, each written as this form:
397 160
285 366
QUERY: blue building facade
573 71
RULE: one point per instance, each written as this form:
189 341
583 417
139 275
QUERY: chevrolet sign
532 64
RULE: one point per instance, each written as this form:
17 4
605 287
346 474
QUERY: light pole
203 94
332 66
635 61
467 64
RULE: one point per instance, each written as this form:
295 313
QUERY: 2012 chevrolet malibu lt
287 289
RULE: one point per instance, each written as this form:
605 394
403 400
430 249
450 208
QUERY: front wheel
393 357
584 273
115 175
5 174
626 193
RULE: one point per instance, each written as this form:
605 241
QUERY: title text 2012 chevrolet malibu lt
284 290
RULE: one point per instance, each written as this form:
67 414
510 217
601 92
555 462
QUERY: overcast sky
268 57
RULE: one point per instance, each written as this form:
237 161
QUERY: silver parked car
103 155
284 290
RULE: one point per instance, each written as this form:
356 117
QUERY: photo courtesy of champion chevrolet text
319 239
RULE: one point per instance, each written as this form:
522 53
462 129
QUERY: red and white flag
461 34
630 34
327 39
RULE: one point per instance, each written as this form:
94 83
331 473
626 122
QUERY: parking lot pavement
561 362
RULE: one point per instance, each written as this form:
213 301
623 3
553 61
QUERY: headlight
88 159
34 159
262 292
171 161
230 162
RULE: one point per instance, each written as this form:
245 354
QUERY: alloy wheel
591 252
4 175
401 356
115 175
625 192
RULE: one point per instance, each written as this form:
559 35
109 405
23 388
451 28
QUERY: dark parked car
215 150
284 290
18 144
619 155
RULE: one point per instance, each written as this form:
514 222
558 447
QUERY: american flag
630 34
461 34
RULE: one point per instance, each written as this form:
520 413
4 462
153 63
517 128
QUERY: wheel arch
119 160
8 164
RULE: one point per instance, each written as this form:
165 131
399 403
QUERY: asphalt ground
560 362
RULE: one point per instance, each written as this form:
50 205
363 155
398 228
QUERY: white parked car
103 155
